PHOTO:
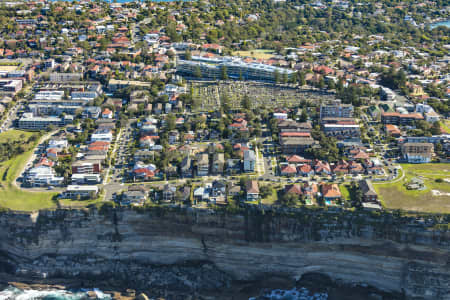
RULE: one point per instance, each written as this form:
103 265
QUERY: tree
198 72
331 84
265 191
246 102
224 73
301 78
294 78
276 76
285 78
289 199
321 83
171 122
436 128
304 115
188 55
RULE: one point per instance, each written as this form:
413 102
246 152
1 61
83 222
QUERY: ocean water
294 294
443 23
12 293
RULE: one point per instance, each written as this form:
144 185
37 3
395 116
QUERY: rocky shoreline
314 282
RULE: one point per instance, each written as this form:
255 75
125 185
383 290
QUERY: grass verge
11 196
395 195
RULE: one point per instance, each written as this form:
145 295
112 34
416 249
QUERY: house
233 166
146 141
341 167
157 109
369 193
143 174
249 161
321 167
295 189
417 152
355 167
107 114
174 137
310 190
202 164
295 159
432 117
218 192
186 167
218 187
234 190
169 192
171 171
218 163
330 193
288 170
42 176
133 198
80 192
392 130
305 170
357 153
80 178
252 190
202 193
184 194
44 161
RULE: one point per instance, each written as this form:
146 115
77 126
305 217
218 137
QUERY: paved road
115 184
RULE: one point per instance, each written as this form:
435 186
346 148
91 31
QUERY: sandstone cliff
389 252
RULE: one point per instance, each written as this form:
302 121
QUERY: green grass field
395 195
14 135
12 197
257 54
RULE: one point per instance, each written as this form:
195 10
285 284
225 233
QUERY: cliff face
388 252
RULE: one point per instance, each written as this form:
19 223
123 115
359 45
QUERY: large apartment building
87 167
417 152
396 118
336 109
63 77
235 68
28 121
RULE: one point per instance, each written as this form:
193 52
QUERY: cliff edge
151 248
